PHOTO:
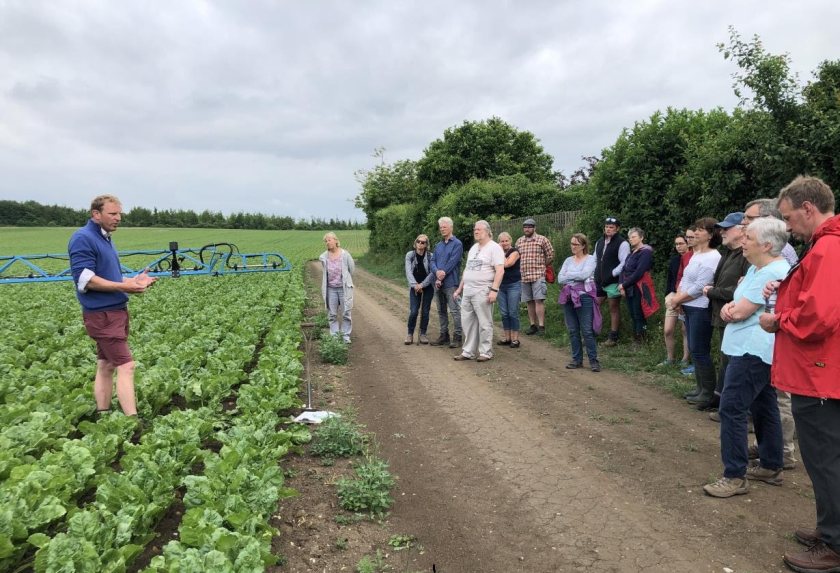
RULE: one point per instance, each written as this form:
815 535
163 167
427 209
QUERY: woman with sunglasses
418 273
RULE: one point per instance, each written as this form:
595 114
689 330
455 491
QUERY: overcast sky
271 106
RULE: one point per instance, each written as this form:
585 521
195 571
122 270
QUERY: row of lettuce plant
226 526
41 493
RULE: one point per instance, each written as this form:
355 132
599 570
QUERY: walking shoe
610 342
456 342
773 477
573 365
532 330
409 339
691 393
789 463
540 331
424 339
727 487
346 339
714 416
483 358
807 537
460 357
503 342
752 452
819 557
442 340
688 370
667 362
595 366
514 344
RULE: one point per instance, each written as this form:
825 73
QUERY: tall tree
482 150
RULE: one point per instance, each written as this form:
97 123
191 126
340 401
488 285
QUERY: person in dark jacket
638 262
731 267
418 273
669 325
611 250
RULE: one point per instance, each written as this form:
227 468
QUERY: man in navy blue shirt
446 266
103 294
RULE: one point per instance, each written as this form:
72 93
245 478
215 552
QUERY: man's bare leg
125 388
103 384
539 310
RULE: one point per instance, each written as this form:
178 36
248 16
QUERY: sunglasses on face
420 242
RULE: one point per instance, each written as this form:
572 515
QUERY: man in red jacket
806 360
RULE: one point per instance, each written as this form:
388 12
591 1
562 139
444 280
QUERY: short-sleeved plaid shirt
535 253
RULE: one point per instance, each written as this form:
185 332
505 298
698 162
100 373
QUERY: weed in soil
372 564
400 542
333 349
339 436
370 490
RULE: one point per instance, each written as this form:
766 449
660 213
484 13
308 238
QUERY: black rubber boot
705 375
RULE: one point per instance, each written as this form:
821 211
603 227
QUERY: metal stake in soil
309 414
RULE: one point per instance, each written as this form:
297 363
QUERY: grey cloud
199 102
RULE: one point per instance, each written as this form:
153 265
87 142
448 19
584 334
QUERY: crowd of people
737 280
777 316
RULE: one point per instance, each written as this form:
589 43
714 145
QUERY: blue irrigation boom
216 259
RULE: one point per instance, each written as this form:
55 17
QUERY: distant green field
293 244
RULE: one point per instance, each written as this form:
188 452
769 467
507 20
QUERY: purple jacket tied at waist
573 291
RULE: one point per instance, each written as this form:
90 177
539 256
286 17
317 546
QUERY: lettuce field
218 366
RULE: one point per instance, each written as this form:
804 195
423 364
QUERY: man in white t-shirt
479 287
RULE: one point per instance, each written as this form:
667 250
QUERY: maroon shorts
109 328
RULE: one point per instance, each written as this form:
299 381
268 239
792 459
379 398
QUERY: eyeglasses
420 242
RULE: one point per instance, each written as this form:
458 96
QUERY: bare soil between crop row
519 464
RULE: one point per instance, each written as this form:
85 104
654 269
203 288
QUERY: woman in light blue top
746 387
577 295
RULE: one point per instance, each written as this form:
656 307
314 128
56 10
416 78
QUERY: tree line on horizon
34 214
661 174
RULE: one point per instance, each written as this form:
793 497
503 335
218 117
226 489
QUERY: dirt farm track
518 464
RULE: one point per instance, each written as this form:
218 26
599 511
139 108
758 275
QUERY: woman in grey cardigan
337 284
418 273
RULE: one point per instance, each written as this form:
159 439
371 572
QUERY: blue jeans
508 300
579 321
698 323
415 302
335 299
747 389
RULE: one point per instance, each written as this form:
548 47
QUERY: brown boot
818 557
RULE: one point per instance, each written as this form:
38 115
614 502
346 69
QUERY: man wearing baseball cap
611 251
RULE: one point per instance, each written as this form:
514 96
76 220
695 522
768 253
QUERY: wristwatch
494 289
